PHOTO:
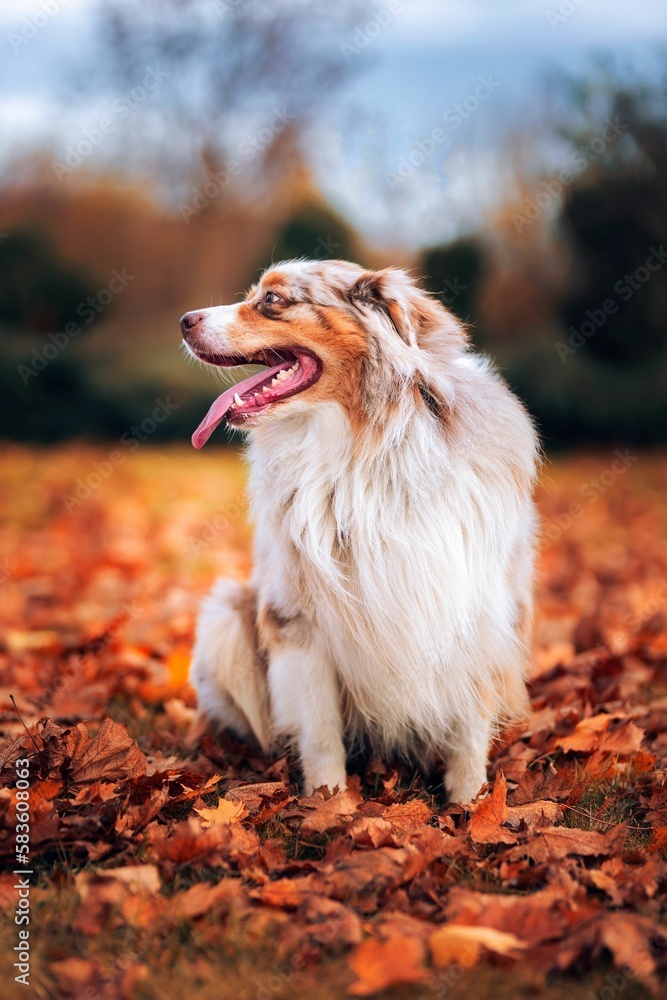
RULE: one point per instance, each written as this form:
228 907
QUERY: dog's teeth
267 388
275 381
238 400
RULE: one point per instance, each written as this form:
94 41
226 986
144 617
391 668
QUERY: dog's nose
189 321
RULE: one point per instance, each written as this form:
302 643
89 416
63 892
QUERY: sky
378 153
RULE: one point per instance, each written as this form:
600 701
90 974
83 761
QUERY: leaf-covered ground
165 865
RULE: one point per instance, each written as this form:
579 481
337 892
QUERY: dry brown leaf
373 831
329 922
535 918
287 893
136 816
18 641
542 811
627 883
464 945
225 812
198 790
381 964
554 843
599 732
189 842
137 878
332 813
626 935
489 815
95 792
253 796
407 816
203 898
110 756
366 875
76 976
143 911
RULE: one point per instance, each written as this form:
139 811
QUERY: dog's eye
272 297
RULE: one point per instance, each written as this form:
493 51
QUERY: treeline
566 287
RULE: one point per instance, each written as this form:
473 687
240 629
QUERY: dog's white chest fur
397 563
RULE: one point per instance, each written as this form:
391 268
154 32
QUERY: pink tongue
220 407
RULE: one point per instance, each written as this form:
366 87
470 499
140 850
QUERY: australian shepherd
391 481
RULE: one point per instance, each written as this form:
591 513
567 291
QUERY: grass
607 803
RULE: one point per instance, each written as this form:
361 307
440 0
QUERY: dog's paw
333 779
463 792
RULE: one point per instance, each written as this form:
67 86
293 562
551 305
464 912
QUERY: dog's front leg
467 758
305 700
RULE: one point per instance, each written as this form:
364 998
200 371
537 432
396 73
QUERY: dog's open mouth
290 371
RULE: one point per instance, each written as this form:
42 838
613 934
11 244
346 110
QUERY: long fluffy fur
391 600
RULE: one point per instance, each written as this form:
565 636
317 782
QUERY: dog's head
326 331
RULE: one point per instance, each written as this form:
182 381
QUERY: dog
391 480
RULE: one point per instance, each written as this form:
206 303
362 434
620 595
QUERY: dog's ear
367 289
410 310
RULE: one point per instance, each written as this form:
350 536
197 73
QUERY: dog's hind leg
227 670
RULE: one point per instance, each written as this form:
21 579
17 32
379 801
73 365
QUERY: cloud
523 23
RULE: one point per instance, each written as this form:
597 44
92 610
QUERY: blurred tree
224 81
616 305
596 369
615 217
38 293
59 403
315 232
455 273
